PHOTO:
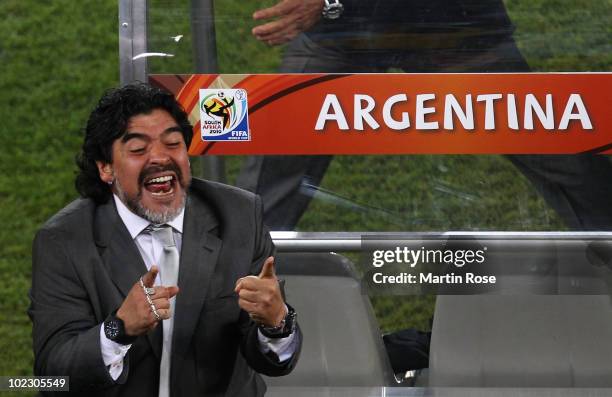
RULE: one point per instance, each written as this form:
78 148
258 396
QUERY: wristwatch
286 327
114 329
332 9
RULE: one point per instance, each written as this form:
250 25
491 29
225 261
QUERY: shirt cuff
282 347
113 354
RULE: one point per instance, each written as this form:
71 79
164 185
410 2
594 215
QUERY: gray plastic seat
519 337
342 342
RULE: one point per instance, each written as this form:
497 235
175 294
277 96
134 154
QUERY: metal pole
204 37
205 61
352 241
132 40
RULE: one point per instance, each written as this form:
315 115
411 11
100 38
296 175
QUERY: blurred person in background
421 36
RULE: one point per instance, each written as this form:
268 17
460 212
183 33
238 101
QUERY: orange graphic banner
522 113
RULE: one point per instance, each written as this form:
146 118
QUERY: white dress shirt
150 249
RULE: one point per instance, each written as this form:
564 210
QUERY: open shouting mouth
161 182
160 185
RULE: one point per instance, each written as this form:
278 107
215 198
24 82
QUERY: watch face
333 11
112 329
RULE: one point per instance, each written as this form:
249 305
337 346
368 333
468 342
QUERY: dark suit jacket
84 264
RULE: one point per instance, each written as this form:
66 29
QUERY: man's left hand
290 18
260 296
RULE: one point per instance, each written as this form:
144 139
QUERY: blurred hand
260 296
135 311
289 18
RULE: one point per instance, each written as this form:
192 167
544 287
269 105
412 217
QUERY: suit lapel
122 258
199 253
118 250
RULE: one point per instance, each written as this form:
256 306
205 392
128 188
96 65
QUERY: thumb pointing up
267 270
149 278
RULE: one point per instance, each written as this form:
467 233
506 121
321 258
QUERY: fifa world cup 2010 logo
221 107
224 114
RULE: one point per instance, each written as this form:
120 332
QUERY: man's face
150 167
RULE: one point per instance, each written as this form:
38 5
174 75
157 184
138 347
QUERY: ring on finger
155 313
147 290
254 317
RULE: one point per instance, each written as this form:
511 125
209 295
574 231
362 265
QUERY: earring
110 183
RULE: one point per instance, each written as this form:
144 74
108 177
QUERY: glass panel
372 193
552 35
425 192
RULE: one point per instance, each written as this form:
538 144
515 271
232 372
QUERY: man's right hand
135 311
286 19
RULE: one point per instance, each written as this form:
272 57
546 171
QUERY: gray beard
158 218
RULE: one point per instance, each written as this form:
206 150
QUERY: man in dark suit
154 283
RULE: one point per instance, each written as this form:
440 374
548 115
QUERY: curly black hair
108 122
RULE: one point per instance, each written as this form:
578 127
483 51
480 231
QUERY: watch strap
286 328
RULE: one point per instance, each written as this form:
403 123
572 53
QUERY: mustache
146 172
